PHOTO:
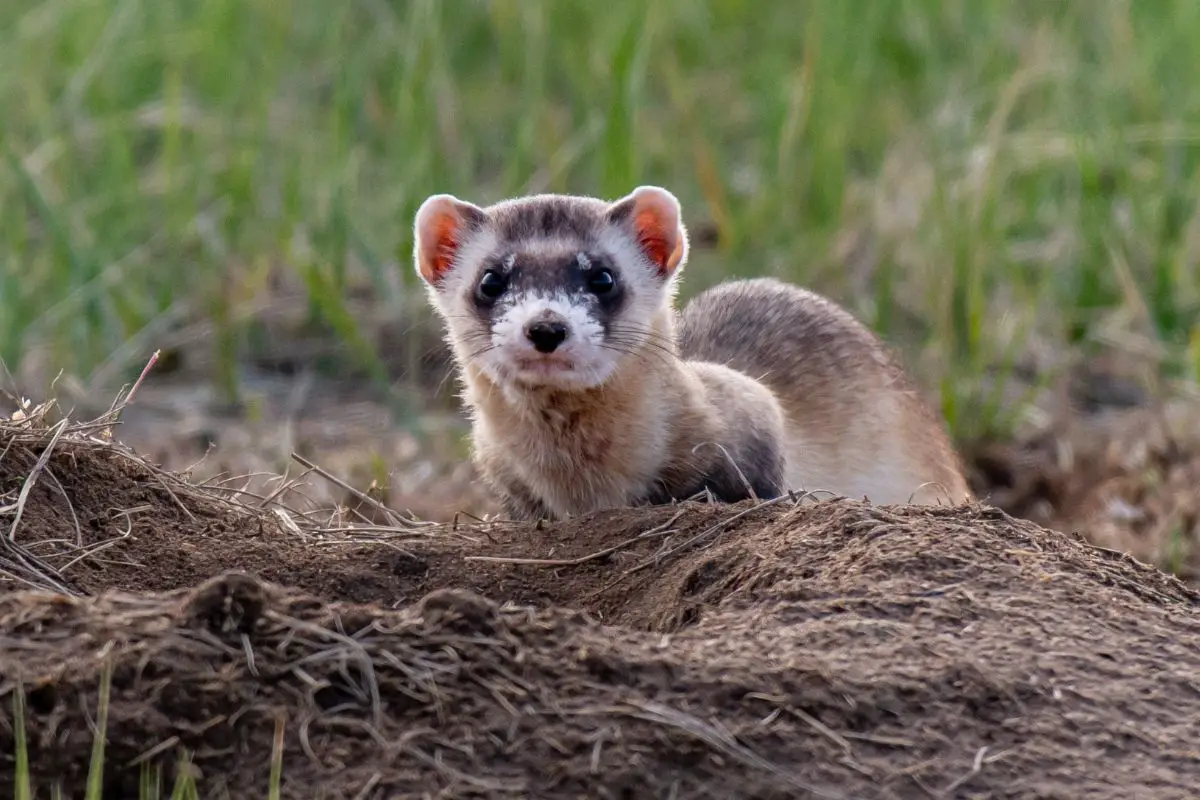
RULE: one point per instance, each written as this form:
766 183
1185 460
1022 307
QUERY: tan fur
855 424
759 374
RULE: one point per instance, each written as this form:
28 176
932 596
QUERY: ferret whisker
666 355
640 355
644 341
481 351
644 330
644 334
665 352
468 317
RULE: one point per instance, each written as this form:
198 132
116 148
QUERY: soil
1124 479
828 649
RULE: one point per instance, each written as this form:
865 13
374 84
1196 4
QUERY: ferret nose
546 335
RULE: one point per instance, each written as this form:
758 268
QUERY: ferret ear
652 215
442 224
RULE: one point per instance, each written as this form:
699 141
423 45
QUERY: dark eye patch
497 279
601 281
597 279
588 278
492 284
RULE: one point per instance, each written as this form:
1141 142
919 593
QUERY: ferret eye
602 281
491 285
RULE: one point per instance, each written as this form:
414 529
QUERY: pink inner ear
656 239
440 242
445 243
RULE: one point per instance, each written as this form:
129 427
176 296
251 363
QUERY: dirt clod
231 603
822 650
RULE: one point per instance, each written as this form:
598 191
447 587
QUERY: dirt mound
777 650
1127 478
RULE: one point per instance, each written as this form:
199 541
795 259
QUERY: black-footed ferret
588 391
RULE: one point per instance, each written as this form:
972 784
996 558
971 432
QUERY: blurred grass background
1001 187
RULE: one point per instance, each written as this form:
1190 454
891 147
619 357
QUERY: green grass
975 179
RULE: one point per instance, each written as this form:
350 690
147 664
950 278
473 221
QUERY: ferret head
551 290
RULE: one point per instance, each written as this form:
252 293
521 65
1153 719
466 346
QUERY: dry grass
35 433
